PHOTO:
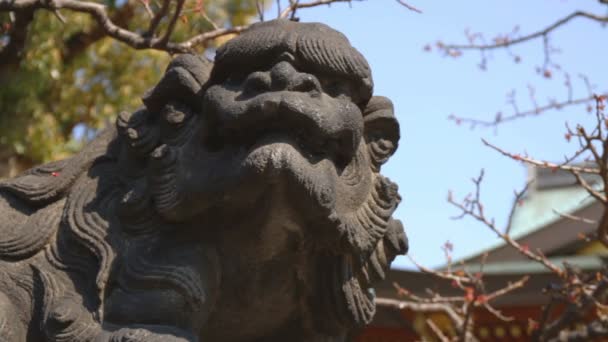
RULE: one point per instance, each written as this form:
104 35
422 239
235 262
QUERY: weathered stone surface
243 202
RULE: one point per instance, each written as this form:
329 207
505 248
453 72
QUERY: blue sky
436 155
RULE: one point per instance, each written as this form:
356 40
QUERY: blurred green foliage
72 76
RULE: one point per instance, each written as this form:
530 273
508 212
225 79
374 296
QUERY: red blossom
448 246
454 53
55 174
469 294
403 292
199 6
547 73
568 136
481 299
525 248
532 324
498 117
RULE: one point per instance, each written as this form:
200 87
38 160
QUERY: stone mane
242 202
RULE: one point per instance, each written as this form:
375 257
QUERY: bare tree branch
574 311
503 43
10 54
421 307
295 5
575 218
164 9
260 8
474 208
459 309
99 13
594 143
442 275
437 331
542 164
80 41
110 28
145 40
500 119
178 9
408 6
519 195
208 36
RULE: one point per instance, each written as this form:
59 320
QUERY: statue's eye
236 78
336 87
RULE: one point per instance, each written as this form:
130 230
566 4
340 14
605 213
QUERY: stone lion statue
242 202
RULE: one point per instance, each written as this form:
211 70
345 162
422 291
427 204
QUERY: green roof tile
539 208
584 262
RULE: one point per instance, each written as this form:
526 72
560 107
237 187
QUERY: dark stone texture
243 202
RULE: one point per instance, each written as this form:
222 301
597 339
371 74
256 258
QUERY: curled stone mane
199 210
321 49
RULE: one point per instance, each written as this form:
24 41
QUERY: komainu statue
242 202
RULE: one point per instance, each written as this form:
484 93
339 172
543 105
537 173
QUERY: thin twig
542 164
439 274
474 209
295 5
440 335
500 119
157 18
260 9
575 218
408 6
420 307
504 43
178 10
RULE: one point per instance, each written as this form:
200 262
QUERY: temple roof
551 194
538 220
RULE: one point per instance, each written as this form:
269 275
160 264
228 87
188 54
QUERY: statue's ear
381 130
184 78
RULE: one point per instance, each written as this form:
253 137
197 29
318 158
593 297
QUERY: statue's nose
285 77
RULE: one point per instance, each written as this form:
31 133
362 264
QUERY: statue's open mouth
288 117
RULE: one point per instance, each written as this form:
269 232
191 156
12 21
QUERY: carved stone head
243 202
